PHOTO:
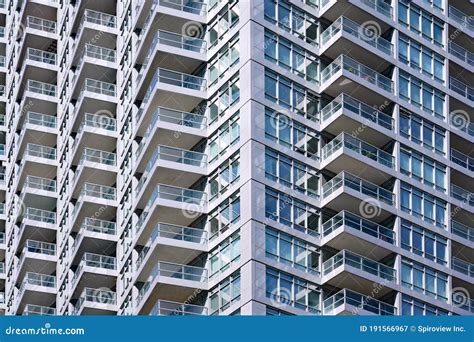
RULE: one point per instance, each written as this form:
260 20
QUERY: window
291 19
291 57
423 242
227 18
290 95
291 173
226 136
288 290
284 131
421 58
423 205
422 132
291 251
222 61
422 95
439 4
291 212
224 216
424 279
227 96
420 21
226 174
224 294
423 169
415 307
226 253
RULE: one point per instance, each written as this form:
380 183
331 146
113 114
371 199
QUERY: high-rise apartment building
252 157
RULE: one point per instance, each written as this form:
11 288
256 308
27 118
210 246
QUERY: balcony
460 18
41 24
41 88
99 18
172 204
38 310
462 195
347 30
462 89
41 56
167 308
37 224
461 159
99 87
348 113
346 230
335 77
348 192
100 53
177 282
37 255
39 215
380 7
461 53
173 243
43 120
96 302
349 270
348 302
462 231
99 191
102 267
194 7
346 153
38 289
463 267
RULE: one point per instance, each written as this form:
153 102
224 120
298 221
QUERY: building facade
241 157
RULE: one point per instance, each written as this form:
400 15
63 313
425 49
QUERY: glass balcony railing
40 247
359 301
100 121
461 18
174 117
2 238
99 226
345 257
100 296
38 279
38 310
40 215
344 140
462 230
39 183
99 191
355 183
345 218
348 64
380 6
462 266
365 111
462 195
41 119
346 25
41 88
2 120
465 304
194 7
98 156
2 61
462 159
2 90
99 261
174 78
174 232
461 88
40 151
2 149
100 52
2 268
99 18
175 271
41 56
2 31
461 53
41 24
100 87
167 308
